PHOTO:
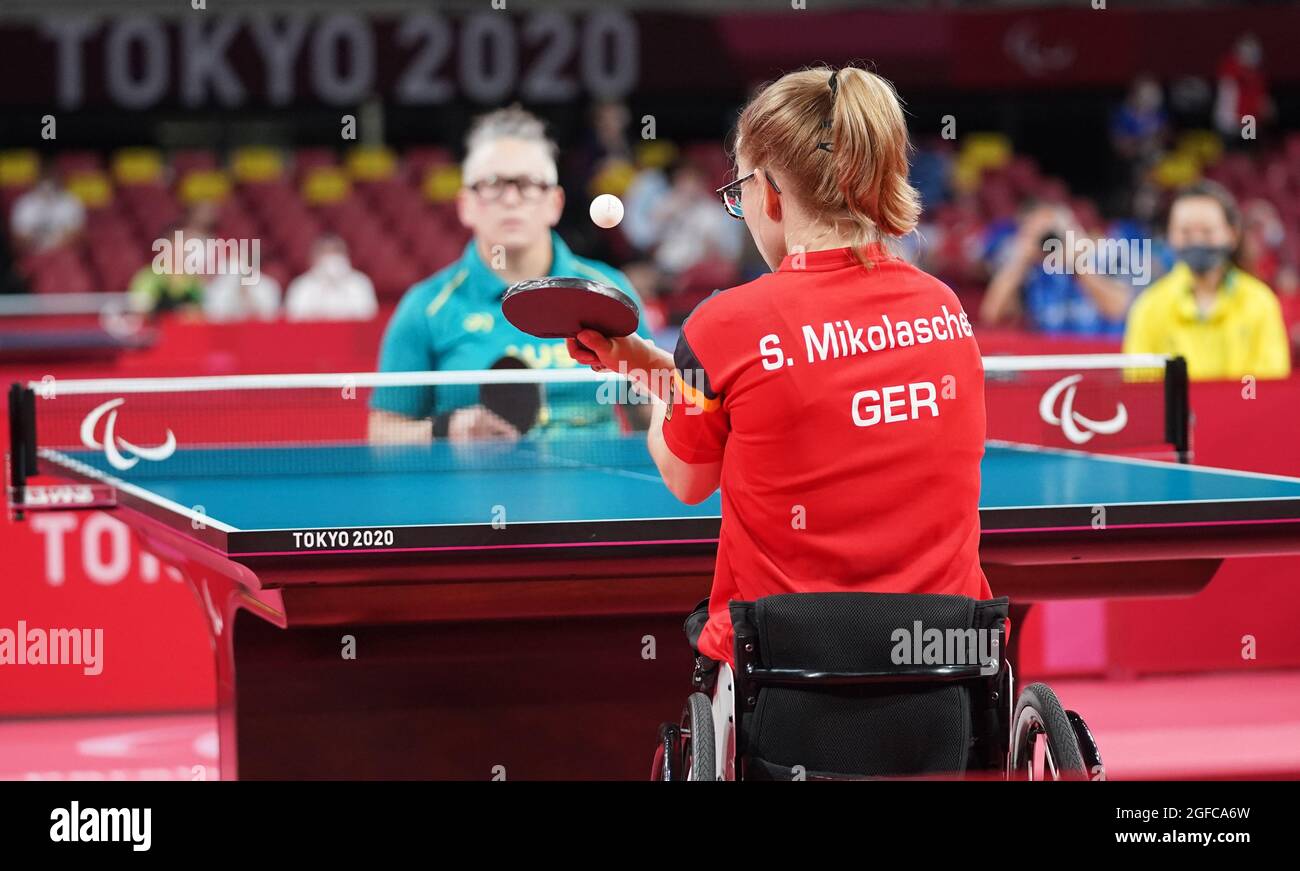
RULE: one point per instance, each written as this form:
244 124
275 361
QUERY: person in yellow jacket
1224 321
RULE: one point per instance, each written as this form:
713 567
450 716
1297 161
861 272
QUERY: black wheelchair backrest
864 684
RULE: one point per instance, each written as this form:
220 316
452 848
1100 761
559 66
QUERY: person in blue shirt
511 200
1058 277
1139 126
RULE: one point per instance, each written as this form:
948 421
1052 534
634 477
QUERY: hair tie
826 125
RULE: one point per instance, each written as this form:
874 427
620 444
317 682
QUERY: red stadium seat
419 160
307 159
415 230
696 284
114 275
73 162
192 160
280 271
10 195
436 250
58 271
414 207
151 206
712 161
380 192
394 277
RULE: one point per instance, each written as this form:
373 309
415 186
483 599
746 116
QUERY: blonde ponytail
869 148
840 140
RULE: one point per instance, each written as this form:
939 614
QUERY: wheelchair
857 686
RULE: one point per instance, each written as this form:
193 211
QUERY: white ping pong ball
606 211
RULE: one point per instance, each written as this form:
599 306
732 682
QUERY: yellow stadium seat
205 185
655 154
441 183
1203 145
371 163
137 166
257 164
1176 171
965 175
986 150
92 188
326 184
19 168
615 177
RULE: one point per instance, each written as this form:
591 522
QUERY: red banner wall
85 570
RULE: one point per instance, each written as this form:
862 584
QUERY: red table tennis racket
559 308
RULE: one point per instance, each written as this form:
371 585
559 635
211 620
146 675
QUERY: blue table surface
584 480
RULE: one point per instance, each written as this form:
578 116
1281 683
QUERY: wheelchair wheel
686 751
1087 747
1040 720
697 733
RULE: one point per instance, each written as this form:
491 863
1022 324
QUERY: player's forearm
665 460
652 370
384 427
690 482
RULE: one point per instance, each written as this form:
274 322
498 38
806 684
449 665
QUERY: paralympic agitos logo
120 453
1077 428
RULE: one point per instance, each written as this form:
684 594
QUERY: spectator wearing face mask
46 217
1223 320
235 296
331 290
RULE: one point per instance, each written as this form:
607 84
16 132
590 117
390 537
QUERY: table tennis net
136 429
1131 404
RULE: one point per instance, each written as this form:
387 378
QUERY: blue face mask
1203 258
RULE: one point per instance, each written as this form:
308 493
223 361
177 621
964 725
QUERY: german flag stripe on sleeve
691 380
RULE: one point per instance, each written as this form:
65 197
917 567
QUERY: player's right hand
604 354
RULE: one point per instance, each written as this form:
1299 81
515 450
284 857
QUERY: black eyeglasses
493 187
730 194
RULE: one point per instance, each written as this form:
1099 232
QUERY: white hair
510 123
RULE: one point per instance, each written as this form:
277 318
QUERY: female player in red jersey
838 400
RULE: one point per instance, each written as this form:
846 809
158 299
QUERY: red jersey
846 403
1252 91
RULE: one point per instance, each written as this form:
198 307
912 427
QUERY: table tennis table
287 507
71 328
516 611
68 345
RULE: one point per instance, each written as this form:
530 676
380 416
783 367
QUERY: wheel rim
687 745
1029 730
